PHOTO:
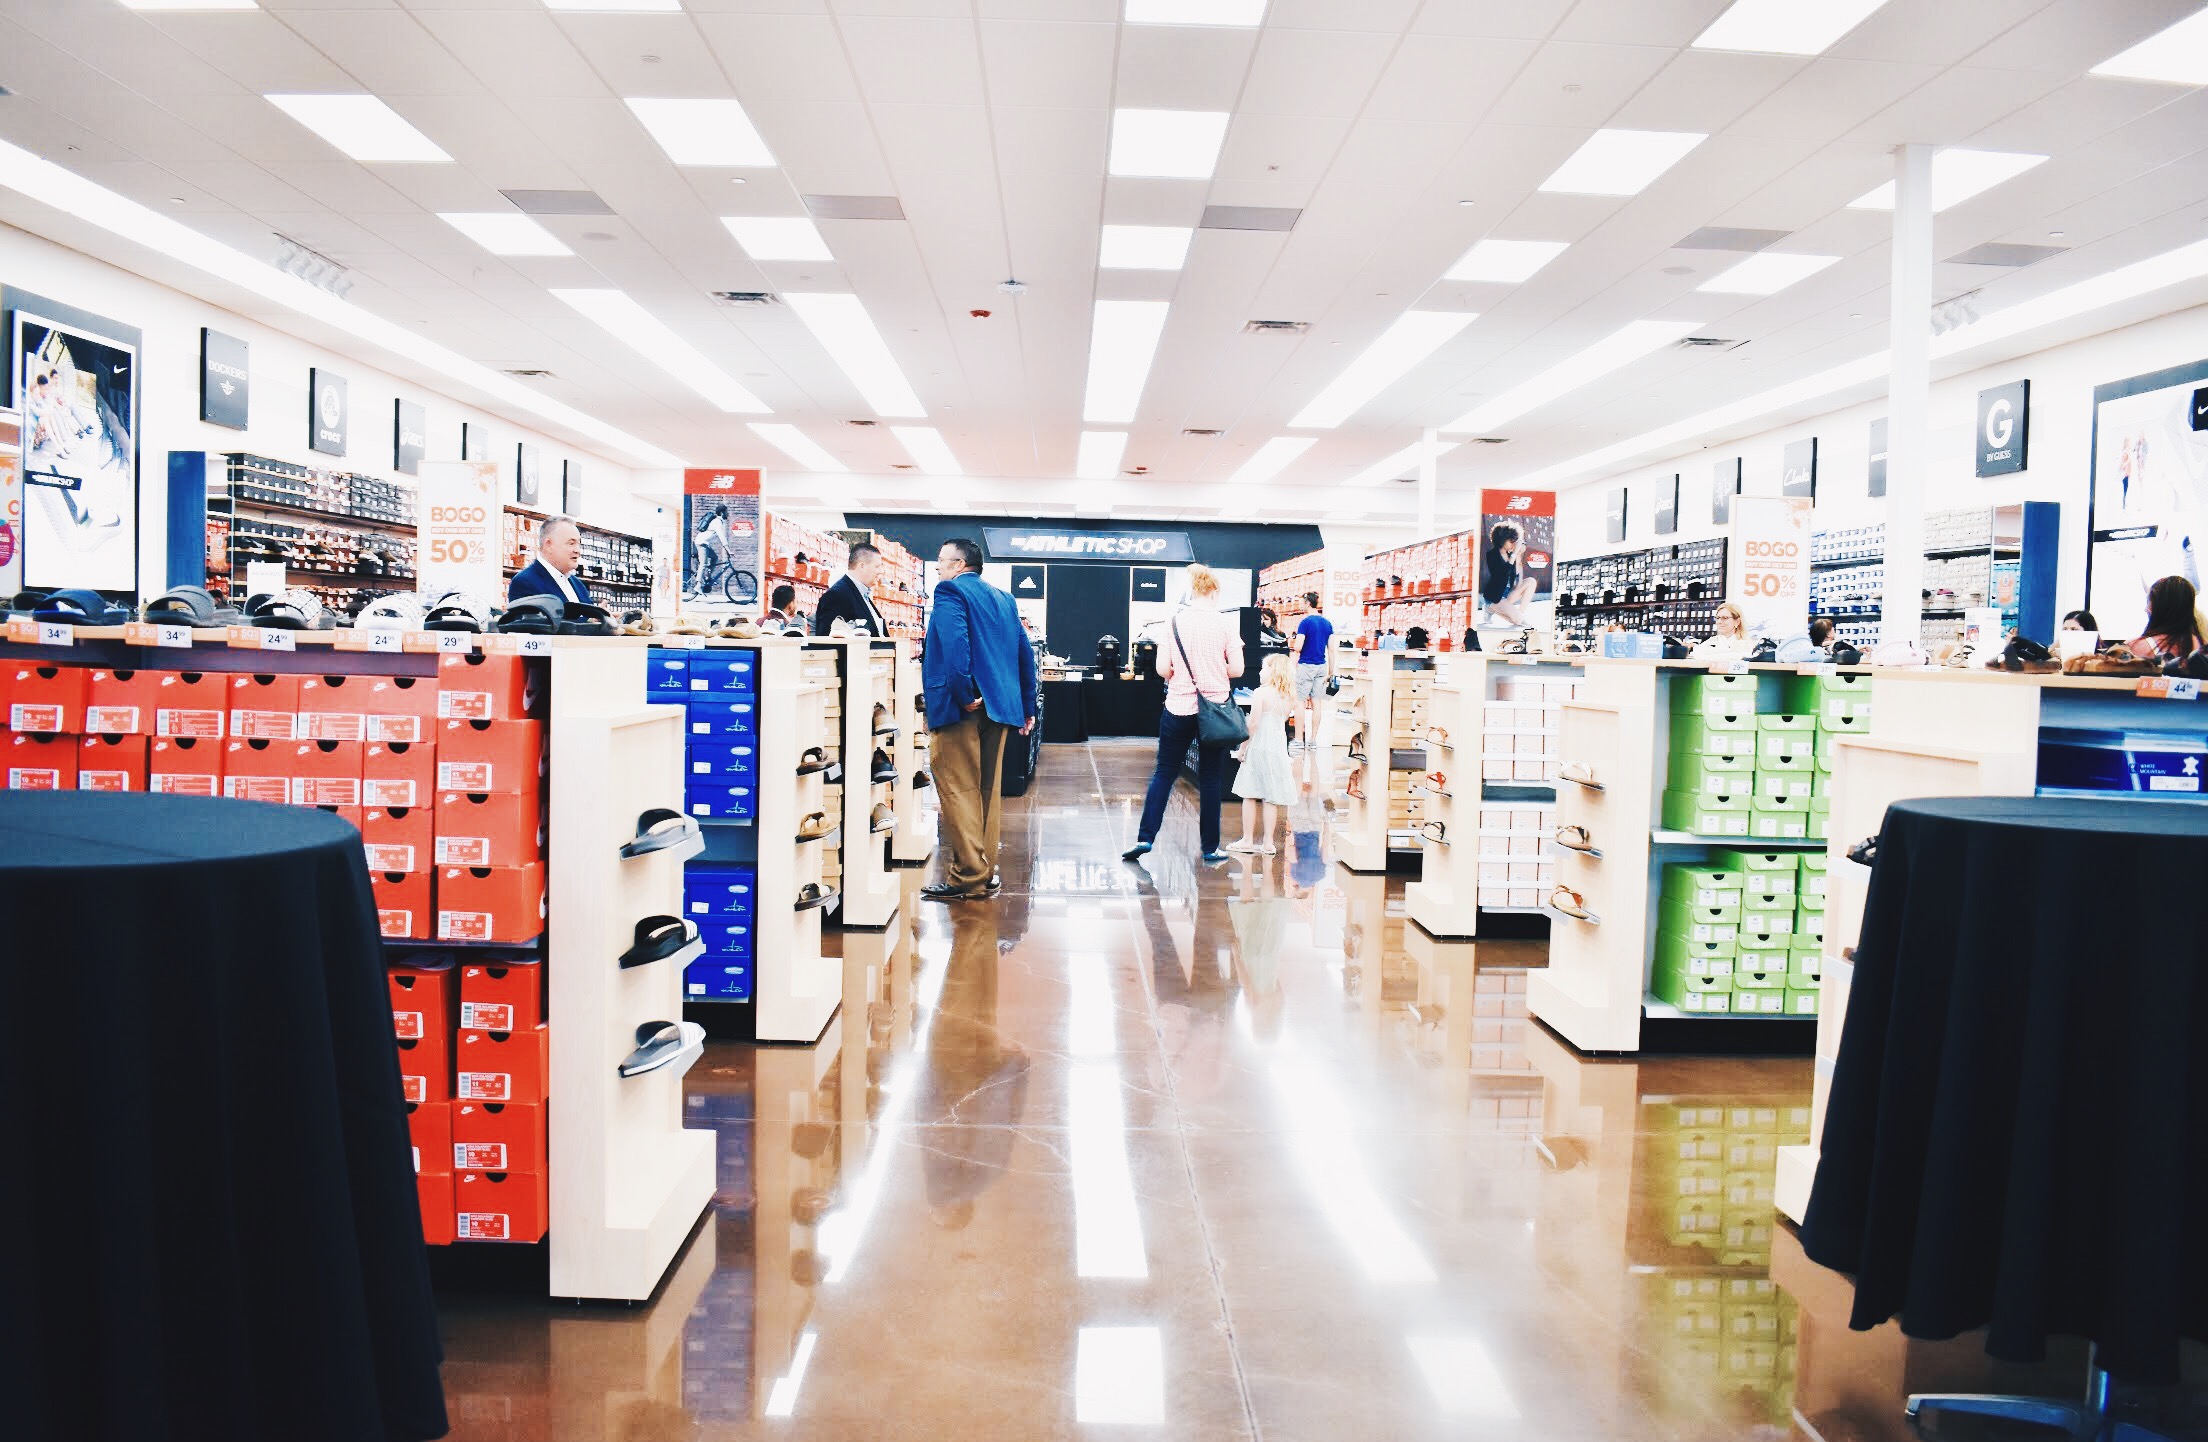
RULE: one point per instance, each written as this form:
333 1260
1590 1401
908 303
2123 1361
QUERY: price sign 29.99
459 529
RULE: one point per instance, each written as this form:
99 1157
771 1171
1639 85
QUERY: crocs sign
1008 543
458 530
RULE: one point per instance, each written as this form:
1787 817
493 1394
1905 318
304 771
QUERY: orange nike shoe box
502 1066
490 756
502 996
490 903
184 766
112 763
403 911
119 703
497 1137
334 708
326 773
48 699
422 1001
265 707
429 1128
399 838
257 770
401 708
398 773
42 762
498 1206
489 828
434 1189
475 687
190 703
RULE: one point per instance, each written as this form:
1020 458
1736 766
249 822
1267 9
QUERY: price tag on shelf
272 638
533 645
451 641
385 640
23 631
141 633
2169 688
56 633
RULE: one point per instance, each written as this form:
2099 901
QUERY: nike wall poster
75 379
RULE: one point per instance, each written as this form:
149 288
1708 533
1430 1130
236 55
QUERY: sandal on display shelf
662 829
1864 852
1579 773
882 820
1356 783
817 827
1572 904
814 761
659 938
660 1044
1437 784
1439 736
1357 746
1575 838
1434 833
813 894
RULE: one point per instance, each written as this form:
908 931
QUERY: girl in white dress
1266 783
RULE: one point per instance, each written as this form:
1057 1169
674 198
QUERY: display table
1065 713
1121 707
211 1188
2017 1131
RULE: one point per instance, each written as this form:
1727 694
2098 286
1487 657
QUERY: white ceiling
989 119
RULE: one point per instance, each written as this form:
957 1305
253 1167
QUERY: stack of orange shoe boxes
498 1122
423 1009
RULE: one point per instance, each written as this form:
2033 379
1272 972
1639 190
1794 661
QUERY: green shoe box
1785 721
1801 1002
1786 751
1769 890
1682 956
1759 1003
1698 923
1755 921
1697 994
1809 925
1707 815
1703 734
1762 956
1749 863
1713 695
1858 724
1827 697
1805 968
1778 825
1713 774
1744 980
1698 885
1797 805
1773 787
1812 866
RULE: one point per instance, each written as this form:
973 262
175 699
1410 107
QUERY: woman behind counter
2173 625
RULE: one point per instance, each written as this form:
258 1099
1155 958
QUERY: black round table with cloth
2017 1135
208 1198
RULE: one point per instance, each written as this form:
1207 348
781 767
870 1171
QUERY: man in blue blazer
552 573
978 670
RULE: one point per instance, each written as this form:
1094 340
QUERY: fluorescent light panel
1271 459
173 5
1098 458
651 338
1144 247
703 132
2176 56
774 237
1244 13
1119 1376
1785 27
1767 273
1957 175
1621 162
782 1400
1462 1377
505 232
1123 340
363 127
1394 466
1169 144
842 326
798 446
1614 351
925 444
1505 262
1415 335
1092 1022
1107 1222
1322 1142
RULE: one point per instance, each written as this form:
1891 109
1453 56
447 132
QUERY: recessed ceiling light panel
1767 273
505 232
1123 340
1621 162
1271 459
2176 56
798 446
1415 335
1618 349
1505 262
1100 454
1957 175
1144 247
842 326
1785 27
363 127
653 339
925 444
703 132
1168 144
1241 13
774 237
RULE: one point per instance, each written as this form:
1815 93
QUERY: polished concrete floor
1209 1152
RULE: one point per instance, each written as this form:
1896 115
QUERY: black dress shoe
946 891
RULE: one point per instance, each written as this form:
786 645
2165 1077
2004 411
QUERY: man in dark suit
851 599
552 573
978 670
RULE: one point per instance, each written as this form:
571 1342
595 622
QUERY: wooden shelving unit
1385 704
869 682
913 842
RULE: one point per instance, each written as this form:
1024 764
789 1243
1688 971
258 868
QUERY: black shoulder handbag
1218 723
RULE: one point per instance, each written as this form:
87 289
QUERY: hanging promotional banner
11 524
1771 540
459 530
1517 552
720 552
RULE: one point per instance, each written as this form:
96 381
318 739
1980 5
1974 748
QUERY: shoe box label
386 792
265 725
33 778
332 726
392 922
111 720
463 851
479 1156
464 705
415 1089
257 788
480 1227
207 725
173 784
404 729
485 1086
407 1026
389 856
486 1016
464 776
104 780
464 926
325 791
35 718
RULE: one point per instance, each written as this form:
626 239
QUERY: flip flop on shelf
664 829
1575 838
1579 773
1572 904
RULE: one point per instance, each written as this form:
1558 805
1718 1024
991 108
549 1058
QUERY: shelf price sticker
275 638
56 633
2169 688
144 633
23 631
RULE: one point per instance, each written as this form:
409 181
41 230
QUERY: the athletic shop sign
1010 543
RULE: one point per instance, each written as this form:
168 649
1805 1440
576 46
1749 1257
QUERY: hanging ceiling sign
1021 543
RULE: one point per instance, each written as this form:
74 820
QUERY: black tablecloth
1065 713
2018 1129
208 1196
1119 707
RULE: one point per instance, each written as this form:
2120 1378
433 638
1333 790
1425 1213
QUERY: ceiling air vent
747 297
1717 237
1709 342
526 372
1491 440
1249 217
558 202
1198 431
854 207
1276 327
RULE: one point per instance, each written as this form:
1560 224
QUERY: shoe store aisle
1167 1149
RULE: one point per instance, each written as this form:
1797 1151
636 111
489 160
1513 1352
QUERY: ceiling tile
1168 67
516 53
1314 72
1640 22
1601 78
388 52
916 61
1495 19
652 55
1048 64
1447 77
781 57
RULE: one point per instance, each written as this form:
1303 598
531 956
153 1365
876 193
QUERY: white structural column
1908 394
1429 480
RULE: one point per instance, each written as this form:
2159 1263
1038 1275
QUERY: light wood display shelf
869 681
913 842
1384 702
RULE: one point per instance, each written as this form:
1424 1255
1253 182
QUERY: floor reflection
1191 1151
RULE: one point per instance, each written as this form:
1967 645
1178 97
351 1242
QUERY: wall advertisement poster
459 523
1771 537
1517 551
720 552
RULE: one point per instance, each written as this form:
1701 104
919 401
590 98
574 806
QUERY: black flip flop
659 829
813 762
661 937
812 894
659 1043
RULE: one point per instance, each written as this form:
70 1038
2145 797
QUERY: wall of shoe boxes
442 774
719 693
1518 746
1739 768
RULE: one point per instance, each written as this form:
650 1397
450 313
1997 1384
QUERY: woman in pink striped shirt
1201 653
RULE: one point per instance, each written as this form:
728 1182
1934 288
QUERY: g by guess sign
2003 428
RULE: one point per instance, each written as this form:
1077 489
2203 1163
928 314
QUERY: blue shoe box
723 763
722 718
717 802
724 673
717 978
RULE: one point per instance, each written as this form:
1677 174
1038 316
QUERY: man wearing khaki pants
978 669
